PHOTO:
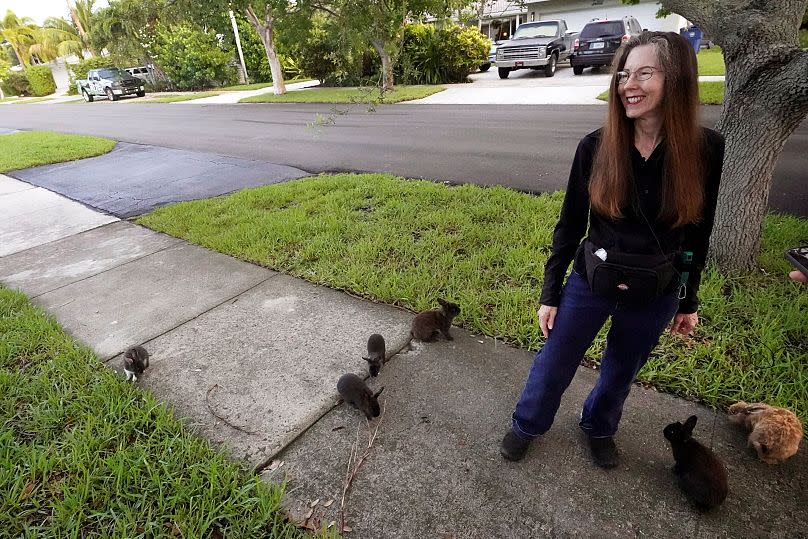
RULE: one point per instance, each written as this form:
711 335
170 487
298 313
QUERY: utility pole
245 78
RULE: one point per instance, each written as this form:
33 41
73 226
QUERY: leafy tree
192 58
5 71
381 23
127 28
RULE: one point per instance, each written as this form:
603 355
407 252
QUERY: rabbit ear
379 392
690 424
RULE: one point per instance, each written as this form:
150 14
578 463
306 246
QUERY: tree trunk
387 65
765 100
265 32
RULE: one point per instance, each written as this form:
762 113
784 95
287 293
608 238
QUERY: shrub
41 80
79 71
804 38
16 83
192 58
430 56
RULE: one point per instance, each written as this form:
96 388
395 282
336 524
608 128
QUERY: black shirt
632 233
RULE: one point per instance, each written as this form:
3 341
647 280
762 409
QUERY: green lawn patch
710 93
347 95
33 148
83 454
173 98
25 100
711 62
258 85
410 242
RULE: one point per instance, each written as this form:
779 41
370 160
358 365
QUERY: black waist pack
635 279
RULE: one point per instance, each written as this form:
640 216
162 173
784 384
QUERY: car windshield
549 29
602 29
112 74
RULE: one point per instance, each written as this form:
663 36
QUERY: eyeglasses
643 73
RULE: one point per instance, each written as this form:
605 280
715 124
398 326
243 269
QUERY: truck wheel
485 67
141 94
577 70
87 97
504 72
111 96
550 68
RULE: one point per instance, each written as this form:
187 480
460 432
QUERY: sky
39 10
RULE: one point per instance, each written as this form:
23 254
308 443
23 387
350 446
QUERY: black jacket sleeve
697 236
571 225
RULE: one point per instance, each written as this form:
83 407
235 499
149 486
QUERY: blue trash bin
694 35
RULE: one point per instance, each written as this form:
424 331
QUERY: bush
325 56
430 56
804 39
41 80
192 58
17 84
79 71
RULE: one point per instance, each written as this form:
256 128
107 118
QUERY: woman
646 184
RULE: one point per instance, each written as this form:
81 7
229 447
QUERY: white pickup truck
110 82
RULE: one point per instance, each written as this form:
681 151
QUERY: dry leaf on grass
328 503
27 490
346 529
315 502
275 464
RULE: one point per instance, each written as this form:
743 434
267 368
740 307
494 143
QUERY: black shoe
513 447
604 452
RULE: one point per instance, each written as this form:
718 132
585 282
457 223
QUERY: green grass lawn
173 98
347 95
83 454
25 100
711 62
33 148
710 93
258 85
409 242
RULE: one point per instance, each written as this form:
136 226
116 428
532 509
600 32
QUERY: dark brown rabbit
376 351
135 361
427 325
702 475
355 392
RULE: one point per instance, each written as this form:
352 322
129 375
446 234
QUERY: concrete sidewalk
235 97
263 351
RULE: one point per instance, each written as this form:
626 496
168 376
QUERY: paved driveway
525 87
133 179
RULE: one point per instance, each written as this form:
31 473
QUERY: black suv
599 40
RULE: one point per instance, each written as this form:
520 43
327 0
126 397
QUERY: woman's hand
547 316
684 323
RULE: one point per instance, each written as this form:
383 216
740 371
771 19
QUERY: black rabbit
375 357
702 475
353 390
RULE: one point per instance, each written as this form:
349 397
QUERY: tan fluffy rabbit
776 432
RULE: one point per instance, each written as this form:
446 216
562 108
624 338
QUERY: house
498 19
579 12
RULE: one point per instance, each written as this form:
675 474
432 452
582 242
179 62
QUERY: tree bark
388 81
765 100
266 33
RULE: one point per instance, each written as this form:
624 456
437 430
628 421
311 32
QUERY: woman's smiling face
642 98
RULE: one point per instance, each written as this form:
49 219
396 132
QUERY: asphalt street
525 147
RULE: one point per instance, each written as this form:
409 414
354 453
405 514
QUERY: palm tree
56 38
81 13
20 32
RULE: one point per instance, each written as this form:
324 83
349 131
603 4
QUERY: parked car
599 40
492 58
141 72
111 82
535 45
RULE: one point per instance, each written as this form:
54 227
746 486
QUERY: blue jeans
634 333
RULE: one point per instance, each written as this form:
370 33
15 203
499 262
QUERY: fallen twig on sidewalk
354 463
217 416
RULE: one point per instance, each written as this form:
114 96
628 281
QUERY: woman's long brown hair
683 192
